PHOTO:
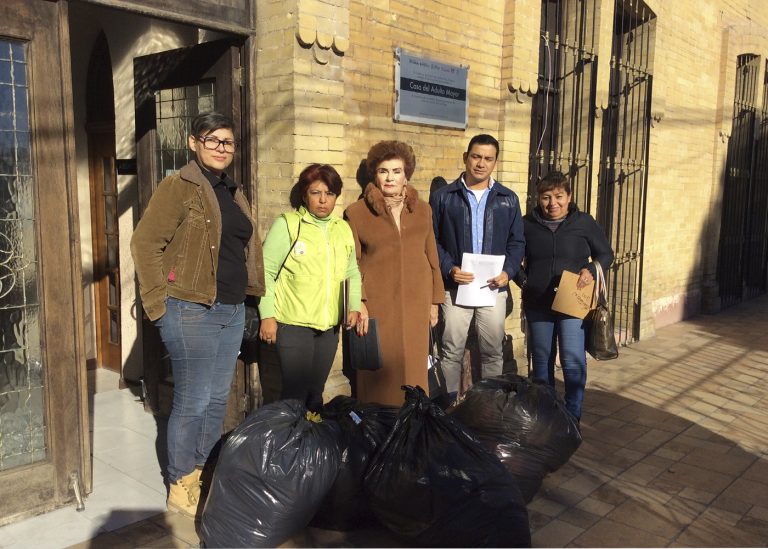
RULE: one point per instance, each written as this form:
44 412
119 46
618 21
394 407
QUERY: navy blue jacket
503 232
548 254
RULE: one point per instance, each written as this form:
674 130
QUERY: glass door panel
22 412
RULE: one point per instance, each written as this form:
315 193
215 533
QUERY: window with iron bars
743 250
623 176
757 271
562 116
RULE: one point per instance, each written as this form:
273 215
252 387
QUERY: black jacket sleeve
600 248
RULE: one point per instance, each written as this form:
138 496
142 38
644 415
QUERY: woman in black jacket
559 237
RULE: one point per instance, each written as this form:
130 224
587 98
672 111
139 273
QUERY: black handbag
252 320
364 351
251 344
601 339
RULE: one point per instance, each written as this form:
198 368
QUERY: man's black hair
483 139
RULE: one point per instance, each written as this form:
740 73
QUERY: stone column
519 74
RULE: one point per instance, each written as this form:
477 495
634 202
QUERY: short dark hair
483 139
553 180
208 122
388 150
322 172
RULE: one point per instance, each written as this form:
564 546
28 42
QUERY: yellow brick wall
439 30
430 29
681 155
325 92
694 75
273 100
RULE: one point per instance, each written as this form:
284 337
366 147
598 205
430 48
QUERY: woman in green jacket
308 254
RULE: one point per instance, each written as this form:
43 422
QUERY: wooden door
43 406
171 88
106 248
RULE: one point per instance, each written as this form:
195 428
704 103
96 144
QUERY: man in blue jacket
476 214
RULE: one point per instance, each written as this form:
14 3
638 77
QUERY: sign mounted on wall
430 92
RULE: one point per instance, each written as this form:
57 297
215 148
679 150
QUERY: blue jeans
203 344
545 331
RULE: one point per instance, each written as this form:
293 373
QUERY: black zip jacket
548 254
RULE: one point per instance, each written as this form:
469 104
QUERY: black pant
306 356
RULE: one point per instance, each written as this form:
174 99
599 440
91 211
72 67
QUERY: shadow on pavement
644 477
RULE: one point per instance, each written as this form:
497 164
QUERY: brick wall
481 38
694 75
325 92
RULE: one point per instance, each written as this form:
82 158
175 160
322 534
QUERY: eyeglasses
212 143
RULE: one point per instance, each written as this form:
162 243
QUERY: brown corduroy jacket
175 246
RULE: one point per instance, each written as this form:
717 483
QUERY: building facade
658 110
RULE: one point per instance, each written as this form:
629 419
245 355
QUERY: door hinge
237 76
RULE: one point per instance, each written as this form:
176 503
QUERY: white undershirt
478 193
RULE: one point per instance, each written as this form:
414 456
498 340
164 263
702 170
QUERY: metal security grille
757 239
741 257
624 157
562 119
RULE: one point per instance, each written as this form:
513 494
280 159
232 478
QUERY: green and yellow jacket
306 260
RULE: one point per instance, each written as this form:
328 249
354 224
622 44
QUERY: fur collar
375 199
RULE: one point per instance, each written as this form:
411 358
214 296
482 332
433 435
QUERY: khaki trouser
489 323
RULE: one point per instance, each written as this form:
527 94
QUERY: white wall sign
430 92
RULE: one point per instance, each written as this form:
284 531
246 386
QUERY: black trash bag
525 423
434 485
272 473
364 428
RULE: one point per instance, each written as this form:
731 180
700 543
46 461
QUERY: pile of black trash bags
455 479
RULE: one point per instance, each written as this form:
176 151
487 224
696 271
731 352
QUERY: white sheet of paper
477 293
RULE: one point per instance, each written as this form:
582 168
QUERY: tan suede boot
195 482
184 495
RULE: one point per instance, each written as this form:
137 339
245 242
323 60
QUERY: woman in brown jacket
197 254
397 257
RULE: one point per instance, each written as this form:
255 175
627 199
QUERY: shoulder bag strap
601 292
431 340
293 244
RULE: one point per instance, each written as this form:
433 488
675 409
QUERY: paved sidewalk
675 450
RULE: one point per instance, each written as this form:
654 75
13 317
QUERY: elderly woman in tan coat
402 285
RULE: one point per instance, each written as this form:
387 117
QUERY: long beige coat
401 279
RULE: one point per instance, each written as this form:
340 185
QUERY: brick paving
675 451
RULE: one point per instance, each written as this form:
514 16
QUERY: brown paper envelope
570 300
